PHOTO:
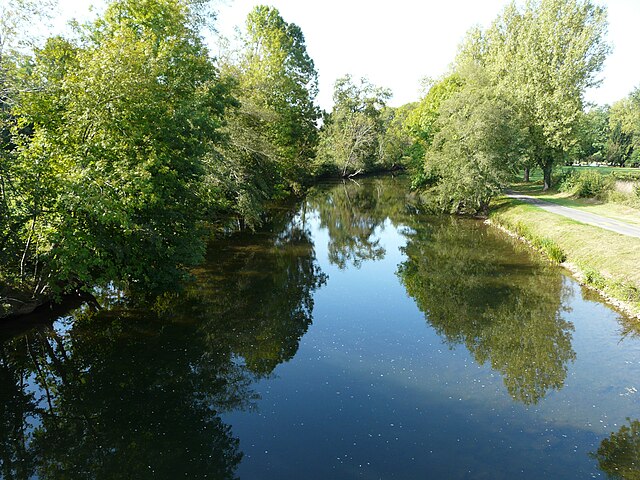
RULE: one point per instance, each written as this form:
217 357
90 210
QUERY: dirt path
617 226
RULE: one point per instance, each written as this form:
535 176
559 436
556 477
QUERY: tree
18 20
122 135
624 125
593 133
544 57
395 144
619 145
421 123
276 74
350 139
476 147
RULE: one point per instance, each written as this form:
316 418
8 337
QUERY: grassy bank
600 259
616 211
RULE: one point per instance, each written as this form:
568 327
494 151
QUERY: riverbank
599 259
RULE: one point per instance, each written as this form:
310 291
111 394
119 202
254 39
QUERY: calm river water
352 337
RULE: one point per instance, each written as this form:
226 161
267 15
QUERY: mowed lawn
617 211
608 260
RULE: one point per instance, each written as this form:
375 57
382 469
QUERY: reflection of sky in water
373 391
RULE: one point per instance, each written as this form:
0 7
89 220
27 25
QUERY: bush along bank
601 260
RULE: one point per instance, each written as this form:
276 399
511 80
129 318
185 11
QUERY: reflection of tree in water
619 455
476 289
133 393
120 396
258 290
351 212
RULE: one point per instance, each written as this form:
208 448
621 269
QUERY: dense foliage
121 144
535 63
362 134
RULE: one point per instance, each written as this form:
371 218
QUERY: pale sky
397 43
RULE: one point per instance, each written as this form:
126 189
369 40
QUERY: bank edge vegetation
125 142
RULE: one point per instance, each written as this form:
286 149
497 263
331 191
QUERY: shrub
587 183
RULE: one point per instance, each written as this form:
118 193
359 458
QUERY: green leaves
128 142
544 57
514 96
476 147
351 138
109 168
277 75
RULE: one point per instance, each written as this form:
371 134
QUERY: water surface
354 336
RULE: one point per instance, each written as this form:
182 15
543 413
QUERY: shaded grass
608 261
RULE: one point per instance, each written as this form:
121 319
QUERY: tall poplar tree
278 75
543 57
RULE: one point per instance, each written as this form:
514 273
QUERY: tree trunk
547 169
526 174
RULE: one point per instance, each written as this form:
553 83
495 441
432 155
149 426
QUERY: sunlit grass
609 261
618 206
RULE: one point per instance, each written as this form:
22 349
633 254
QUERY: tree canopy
351 137
536 61
121 145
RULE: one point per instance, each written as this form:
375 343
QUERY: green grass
627 172
608 261
625 208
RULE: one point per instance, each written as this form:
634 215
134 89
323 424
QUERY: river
353 336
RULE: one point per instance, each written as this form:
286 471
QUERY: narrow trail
617 226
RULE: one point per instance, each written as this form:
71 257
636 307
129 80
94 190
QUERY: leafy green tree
593 133
123 138
277 75
619 145
350 138
543 57
476 147
395 144
421 123
19 19
242 172
624 125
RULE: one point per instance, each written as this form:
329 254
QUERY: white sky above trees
396 44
